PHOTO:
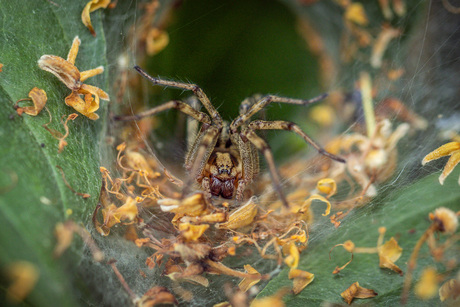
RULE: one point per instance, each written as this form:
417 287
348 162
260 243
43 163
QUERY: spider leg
173 104
196 163
263 102
261 145
192 125
289 126
248 153
217 120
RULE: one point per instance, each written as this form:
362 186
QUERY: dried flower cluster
68 73
444 221
192 236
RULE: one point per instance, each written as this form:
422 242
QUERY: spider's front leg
198 157
289 126
263 147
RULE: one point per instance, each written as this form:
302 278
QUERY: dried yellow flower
157 296
194 205
192 232
450 149
293 255
390 253
327 186
38 97
23 276
445 219
323 115
113 215
275 300
68 73
247 283
449 290
156 41
301 279
90 7
64 235
381 44
356 291
428 285
306 205
355 13
241 217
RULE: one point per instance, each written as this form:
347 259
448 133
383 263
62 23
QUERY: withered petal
241 217
444 150
327 186
192 232
301 279
39 98
390 253
23 276
247 283
91 73
450 165
156 41
356 291
449 290
85 88
75 101
62 69
355 13
74 50
91 6
156 296
428 284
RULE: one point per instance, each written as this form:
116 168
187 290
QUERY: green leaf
33 195
405 215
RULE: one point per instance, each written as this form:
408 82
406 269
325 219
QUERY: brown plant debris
64 235
90 7
23 276
356 291
84 195
38 98
450 290
444 221
388 253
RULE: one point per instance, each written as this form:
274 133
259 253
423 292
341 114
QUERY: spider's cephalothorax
223 173
223 157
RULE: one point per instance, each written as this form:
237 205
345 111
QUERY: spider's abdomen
221 187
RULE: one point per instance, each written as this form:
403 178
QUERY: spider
223 157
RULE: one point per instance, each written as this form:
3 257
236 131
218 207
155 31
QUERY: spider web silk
428 51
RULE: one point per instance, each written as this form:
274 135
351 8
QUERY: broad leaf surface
31 206
405 215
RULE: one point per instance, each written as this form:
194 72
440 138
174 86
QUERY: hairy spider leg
215 116
263 102
248 153
200 154
173 104
289 126
192 125
264 148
